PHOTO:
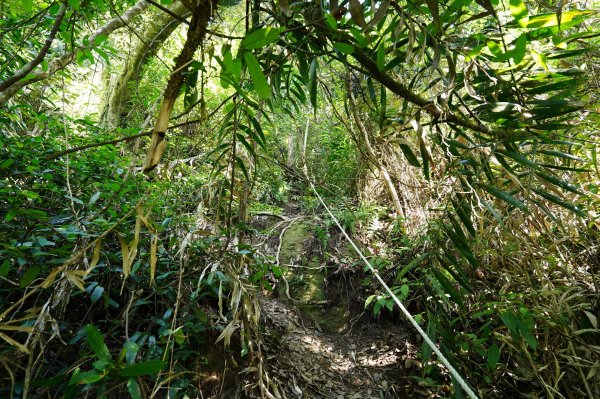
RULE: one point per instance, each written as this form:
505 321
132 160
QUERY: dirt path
319 345
367 361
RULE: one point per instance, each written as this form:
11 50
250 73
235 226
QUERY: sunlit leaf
519 11
258 78
260 38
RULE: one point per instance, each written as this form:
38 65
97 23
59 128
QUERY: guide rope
461 381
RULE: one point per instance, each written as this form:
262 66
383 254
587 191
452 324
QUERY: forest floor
367 361
319 341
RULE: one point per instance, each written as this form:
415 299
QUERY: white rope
461 381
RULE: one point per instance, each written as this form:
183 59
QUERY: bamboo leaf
134 389
520 48
559 201
447 286
312 83
96 342
344 48
260 38
558 182
14 343
141 369
519 11
504 196
381 56
410 155
258 78
96 256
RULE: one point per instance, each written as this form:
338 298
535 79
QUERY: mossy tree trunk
119 99
201 14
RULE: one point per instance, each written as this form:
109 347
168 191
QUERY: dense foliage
456 141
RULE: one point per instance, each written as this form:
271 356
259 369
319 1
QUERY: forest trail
365 362
319 343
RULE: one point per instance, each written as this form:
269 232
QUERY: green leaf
97 293
257 134
520 49
331 22
359 37
258 78
75 4
493 355
312 83
134 389
10 215
410 155
242 167
504 196
131 350
96 342
447 286
260 38
561 155
102 364
519 158
100 39
540 59
27 6
4 268
465 217
519 11
381 56
344 48
463 247
558 201
29 276
140 369
558 182
511 321
88 377
547 20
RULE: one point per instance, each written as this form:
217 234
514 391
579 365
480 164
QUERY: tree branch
115 141
171 13
21 73
65 59
426 105
100 144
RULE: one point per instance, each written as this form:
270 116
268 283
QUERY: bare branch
171 13
65 59
21 73
100 144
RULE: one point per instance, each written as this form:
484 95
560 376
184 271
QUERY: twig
93 145
21 73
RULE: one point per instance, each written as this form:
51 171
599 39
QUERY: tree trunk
119 96
375 159
195 36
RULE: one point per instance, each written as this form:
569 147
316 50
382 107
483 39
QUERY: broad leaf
260 38
96 342
140 369
258 78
